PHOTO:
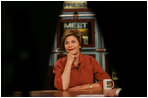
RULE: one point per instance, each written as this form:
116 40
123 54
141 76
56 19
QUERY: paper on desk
93 95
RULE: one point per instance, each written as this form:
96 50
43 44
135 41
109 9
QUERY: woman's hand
67 71
70 58
77 88
96 86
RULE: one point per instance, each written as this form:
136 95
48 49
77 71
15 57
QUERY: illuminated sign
75 5
75 25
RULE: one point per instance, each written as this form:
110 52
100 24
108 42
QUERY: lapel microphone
78 66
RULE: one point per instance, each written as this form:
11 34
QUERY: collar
80 62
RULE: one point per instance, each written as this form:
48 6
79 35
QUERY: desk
57 93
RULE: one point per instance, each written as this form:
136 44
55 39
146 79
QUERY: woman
77 71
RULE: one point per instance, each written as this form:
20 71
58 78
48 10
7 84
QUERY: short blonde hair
76 33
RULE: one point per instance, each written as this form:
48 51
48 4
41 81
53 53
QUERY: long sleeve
58 69
99 73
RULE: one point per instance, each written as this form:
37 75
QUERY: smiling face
72 45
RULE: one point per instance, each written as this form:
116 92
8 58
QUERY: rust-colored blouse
88 69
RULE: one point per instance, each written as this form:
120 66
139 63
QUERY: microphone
78 66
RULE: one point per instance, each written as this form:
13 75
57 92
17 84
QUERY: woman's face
72 45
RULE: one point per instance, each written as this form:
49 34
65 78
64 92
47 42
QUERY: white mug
108 84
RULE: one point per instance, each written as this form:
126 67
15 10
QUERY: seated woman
77 71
